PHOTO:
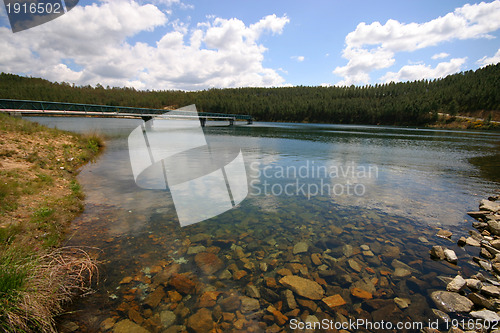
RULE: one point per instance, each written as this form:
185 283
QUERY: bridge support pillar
231 122
149 124
203 121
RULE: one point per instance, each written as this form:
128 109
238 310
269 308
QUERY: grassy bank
39 196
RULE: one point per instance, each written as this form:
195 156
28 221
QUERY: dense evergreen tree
406 103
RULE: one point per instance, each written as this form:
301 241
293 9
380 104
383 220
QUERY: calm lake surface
362 200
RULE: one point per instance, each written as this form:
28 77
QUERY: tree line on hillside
406 103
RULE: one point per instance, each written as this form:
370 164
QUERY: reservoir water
353 209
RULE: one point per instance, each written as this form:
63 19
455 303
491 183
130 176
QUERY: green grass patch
36 277
9 191
45 178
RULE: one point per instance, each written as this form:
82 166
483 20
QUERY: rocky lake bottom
281 271
404 251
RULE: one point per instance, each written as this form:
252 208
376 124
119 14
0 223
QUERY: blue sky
192 45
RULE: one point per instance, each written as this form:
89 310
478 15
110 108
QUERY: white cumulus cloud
485 61
373 46
441 55
91 44
421 71
298 58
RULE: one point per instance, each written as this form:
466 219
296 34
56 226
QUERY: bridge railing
14 104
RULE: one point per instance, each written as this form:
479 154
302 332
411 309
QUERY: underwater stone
167 318
300 247
333 301
316 259
128 326
249 304
354 265
303 287
289 299
444 233
208 262
201 321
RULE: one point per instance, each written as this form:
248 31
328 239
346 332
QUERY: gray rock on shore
492 206
448 301
457 284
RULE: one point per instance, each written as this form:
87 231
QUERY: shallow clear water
330 186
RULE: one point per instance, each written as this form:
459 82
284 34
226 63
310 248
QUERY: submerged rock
444 233
289 299
451 302
128 326
201 321
182 283
167 318
400 272
354 265
423 239
316 260
279 317
263 266
155 297
249 304
399 264
402 303
231 303
360 293
196 249
108 323
208 262
441 315
303 287
300 247
208 299
333 301
252 291
347 250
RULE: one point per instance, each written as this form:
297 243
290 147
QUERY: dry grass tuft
34 288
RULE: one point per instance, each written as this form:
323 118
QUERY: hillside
471 93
